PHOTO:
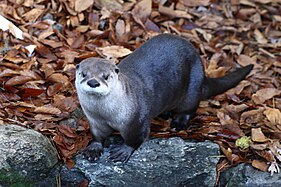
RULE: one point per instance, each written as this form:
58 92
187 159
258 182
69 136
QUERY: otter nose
93 83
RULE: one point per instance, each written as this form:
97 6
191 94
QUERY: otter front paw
121 153
93 151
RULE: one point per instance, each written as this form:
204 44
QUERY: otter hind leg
166 115
181 121
187 108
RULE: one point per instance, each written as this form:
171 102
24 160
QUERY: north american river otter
164 74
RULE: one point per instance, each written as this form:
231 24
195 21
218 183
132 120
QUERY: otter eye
77 66
83 74
117 70
106 77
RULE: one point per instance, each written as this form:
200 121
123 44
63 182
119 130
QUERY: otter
163 75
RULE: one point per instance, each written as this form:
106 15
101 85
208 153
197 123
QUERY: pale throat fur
108 109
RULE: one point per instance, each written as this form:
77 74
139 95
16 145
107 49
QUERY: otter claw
93 151
121 153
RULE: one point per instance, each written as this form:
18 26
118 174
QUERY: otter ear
77 66
117 70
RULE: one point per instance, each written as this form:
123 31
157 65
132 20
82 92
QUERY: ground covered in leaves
37 90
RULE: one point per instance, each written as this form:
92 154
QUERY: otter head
96 76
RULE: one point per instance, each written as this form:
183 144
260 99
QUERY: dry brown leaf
264 94
239 88
18 80
58 78
120 29
252 116
114 51
42 117
8 73
261 165
47 109
108 4
236 108
259 146
277 18
260 37
275 148
81 5
169 11
69 55
142 10
54 89
273 115
267 155
52 43
207 36
30 73
229 124
257 135
46 33
213 71
194 3
33 14
245 60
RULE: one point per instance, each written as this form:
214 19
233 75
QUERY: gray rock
158 162
71 178
245 175
26 156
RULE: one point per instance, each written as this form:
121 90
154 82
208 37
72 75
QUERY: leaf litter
37 89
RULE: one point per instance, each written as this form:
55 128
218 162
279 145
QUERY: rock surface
26 156
245 175
158 162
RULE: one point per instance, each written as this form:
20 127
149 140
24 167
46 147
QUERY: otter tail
215 86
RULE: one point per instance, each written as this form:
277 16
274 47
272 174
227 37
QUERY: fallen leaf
18 80
33 14
81 5
264 94
108 4
114 51
252 116
43 117
67 131
273 115
31 92
47 109
58 78
54 89
257 135
261 165
169 11
260 37
142 10
245 60
45 52
194 3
